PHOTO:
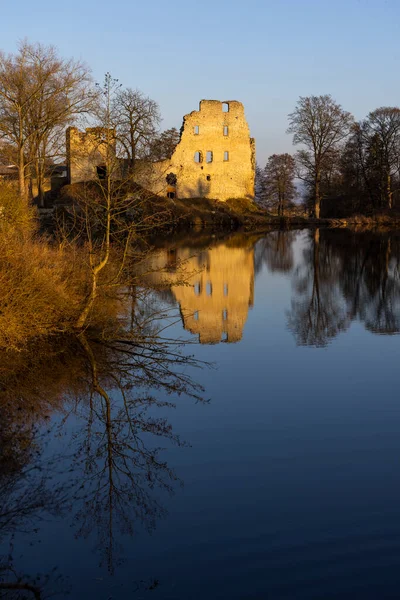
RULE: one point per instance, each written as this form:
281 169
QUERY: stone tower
89 152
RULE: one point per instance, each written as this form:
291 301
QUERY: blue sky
264 53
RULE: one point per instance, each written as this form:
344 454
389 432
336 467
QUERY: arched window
225 107
196 130
198 157
209 156
226 130
226 156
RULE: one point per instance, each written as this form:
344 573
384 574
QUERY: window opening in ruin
198 158
171 179
209 288
224 337
208 177
196 315
225 289
101 171
226 129
171 195
226 156
197 288
225 314
172 260
196 130
225 107
209 156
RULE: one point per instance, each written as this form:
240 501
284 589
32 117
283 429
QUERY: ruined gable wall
232 178
86 151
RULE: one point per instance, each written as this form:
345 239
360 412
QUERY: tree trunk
40 181
389 192
89 303
21 174
317 201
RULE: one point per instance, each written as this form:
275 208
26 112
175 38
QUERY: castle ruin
215 157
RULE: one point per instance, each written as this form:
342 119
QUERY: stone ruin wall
88 151
226 176
225 134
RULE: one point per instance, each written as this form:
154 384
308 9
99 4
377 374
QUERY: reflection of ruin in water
214 288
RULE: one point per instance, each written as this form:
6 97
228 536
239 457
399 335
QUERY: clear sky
263 53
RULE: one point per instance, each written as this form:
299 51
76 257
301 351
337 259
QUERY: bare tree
164 145
136 118
319 124
279 181
380 134
110 210
39 94
259 185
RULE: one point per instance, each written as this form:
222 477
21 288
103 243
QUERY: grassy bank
177 215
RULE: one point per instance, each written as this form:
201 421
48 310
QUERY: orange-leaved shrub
41 287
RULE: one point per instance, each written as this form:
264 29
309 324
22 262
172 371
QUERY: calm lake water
282 482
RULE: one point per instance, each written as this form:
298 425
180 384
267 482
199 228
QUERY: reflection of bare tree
345 276
370 278
276 250
115 382
121 468
318 312
26 492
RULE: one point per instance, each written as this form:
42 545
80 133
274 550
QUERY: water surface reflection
291 483
337 276
80 438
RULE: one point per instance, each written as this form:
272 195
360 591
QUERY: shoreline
201 214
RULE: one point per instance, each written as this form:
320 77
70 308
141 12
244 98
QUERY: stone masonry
89 152
215 157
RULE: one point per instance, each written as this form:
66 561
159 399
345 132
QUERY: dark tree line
346 167
345 276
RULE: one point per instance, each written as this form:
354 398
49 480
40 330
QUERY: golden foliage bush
37 297
17 217
41 286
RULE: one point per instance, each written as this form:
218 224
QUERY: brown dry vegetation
43 284
38 296
165 215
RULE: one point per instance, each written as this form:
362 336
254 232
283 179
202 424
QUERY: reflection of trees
121 468
26 491
346 276
370 278
111 385
318 312
276 251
